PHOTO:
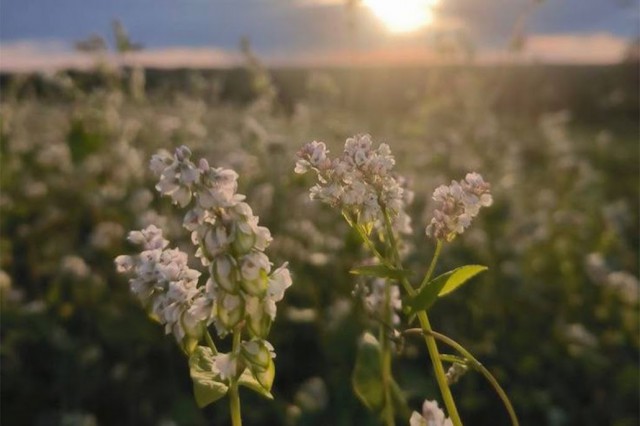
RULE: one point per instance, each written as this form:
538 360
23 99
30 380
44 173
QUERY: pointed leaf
427 295
441 286
265 377
460 276
207 386
367 373
379 271
247 379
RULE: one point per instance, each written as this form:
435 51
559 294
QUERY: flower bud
215 240
225 273
258 354
254 269
265 377
230 310
258 321
244 239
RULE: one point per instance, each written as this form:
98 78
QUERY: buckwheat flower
164 283
458 204
177 176
279 281
241 291
312 155
431 415
259 352
360 182
150 238
226 364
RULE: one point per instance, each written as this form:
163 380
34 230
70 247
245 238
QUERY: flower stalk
372 199
239 295
234 394
473 362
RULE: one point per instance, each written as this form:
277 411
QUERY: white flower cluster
459 203
165 284
359 182
242 290
431 415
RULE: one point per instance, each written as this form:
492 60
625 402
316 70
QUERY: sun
403 16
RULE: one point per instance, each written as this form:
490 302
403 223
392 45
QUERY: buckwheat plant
360 183
241 290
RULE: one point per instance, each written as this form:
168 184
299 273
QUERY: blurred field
556 319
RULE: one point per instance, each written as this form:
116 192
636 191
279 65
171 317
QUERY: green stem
234 396
210 343
234 405
432 266
386 358
453 359
432 347
441 376
475 364
370 245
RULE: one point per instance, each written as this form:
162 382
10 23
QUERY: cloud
597 48
46 55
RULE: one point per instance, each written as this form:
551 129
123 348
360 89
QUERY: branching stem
473 362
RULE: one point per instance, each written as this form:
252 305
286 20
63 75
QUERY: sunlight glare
402 16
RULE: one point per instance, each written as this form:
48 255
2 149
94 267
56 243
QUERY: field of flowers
555 318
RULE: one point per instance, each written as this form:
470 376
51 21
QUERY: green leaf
380 271
265 376
207 386
460 276
427 295
247 379
441 286
400 402
367 373
367 380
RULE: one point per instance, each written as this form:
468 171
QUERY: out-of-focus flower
106 235
626 285
375 301
458 204
75 266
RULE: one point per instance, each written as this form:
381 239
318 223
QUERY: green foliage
367 374
441 286
367 380
248 380
82 141
207 386
565 187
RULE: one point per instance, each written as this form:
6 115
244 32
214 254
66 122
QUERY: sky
41 33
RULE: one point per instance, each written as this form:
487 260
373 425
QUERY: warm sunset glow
402 16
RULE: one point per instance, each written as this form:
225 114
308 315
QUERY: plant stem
385 359
475 364
210 343
432 347
432 266
234 405
441 377
234 396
